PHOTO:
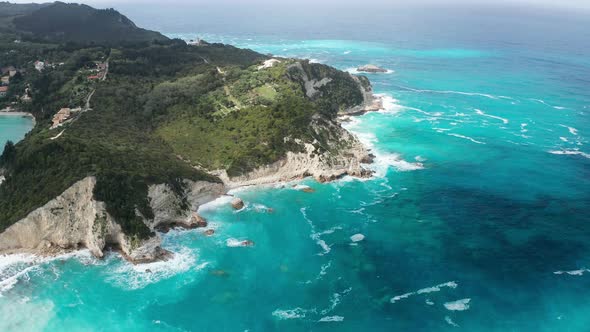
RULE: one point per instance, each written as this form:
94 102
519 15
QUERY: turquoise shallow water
477 218
13 127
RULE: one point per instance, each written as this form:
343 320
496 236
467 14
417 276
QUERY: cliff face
75 219
171 210
340 154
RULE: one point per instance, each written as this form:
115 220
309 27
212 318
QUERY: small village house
39 65
61 116
3 91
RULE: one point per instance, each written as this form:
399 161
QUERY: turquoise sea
477 219
13 127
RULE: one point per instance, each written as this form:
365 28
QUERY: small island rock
371 69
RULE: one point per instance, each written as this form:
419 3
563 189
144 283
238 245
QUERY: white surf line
572 130
450 322
486 95
466 137
482 113
547 104
437 288
573 272
573 152
459 305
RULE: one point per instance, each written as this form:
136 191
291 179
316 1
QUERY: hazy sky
571 4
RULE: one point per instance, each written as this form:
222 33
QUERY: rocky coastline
75 220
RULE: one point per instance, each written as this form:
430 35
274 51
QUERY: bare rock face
237 203
75 220
344 155
70 221
371 102
170 210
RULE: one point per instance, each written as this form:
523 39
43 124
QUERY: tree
9 154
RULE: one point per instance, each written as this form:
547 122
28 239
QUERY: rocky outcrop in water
371 69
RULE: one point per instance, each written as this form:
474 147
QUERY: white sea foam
579 272
459 305
450 321
335 301
289 313
486 95
260 208
401 297
26 316
523 127
482 113
131 276
298 313
437 288
357 237
316 236
19 266
331 319
429 302
466 137
331 230
570 152
390 104
324 269
300 187
572 130
222 201
234 243
547 104
383 161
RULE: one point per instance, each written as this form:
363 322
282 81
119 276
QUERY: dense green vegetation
11 9
81 23
168 111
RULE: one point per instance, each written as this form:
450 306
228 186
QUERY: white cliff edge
75 220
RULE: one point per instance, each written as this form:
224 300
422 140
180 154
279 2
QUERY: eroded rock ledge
75 220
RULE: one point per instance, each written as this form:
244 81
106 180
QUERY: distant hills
64 22
13 9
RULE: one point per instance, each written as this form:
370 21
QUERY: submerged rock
371 69
209 232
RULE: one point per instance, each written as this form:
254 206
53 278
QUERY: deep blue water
477 218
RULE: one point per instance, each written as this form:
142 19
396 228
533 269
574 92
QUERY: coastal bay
474 218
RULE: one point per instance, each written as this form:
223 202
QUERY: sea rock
237 203
209 232
371 69
198 221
